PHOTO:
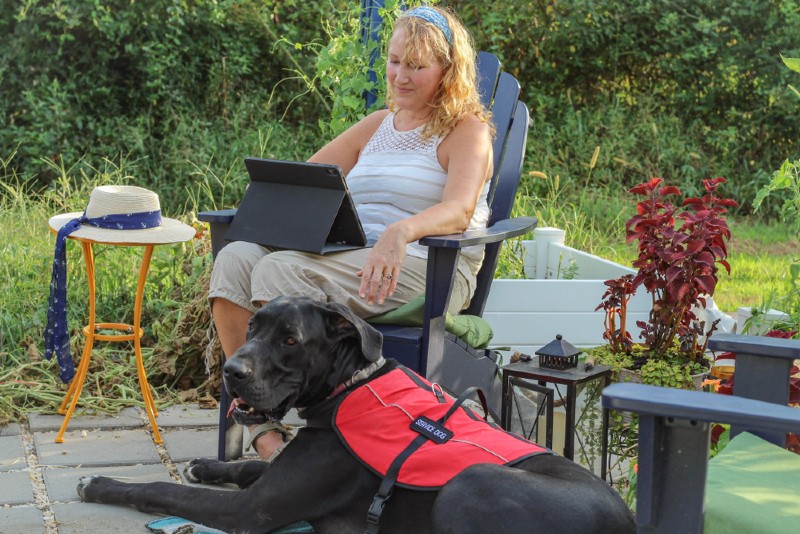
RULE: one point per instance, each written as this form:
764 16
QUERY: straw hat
123 200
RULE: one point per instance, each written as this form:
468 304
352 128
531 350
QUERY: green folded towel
473 330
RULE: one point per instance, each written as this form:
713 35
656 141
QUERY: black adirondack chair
674 428
429 349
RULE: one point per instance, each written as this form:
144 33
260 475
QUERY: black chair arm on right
763 367
753 415
673 441
767 347
500 231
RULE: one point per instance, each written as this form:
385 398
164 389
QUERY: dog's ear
346 320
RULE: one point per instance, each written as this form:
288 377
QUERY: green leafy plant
787 180
349 65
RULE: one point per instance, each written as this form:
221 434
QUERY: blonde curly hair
457 96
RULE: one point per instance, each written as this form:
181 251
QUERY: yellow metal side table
128 332
126 216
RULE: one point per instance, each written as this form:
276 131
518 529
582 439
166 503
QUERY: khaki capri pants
248 275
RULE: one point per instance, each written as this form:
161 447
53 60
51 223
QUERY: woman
419 168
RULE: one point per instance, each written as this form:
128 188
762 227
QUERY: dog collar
358 376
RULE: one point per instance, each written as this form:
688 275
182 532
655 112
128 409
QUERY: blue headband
428 14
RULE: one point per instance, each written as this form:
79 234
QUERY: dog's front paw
90 487
201 471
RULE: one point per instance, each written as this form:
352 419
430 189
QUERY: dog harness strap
462 398
385 489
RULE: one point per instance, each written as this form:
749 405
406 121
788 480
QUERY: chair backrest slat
505 190
488 67
503 108
506 182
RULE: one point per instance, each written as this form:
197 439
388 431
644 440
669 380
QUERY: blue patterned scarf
56 335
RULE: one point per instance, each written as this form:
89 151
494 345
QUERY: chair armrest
443 258
674 432
700 406
763 365
218 221
499 231
768 347
217 216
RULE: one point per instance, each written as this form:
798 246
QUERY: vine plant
342 66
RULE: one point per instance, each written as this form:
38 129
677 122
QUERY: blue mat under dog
178 525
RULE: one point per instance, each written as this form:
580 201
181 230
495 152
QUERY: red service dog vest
378 421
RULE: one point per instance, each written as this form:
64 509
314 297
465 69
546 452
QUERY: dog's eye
290 341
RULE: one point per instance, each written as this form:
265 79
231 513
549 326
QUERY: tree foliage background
687 89
174 94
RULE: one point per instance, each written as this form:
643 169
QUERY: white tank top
398 175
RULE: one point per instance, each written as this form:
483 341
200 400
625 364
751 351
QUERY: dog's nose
236 370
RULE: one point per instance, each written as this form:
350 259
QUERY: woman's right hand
381 270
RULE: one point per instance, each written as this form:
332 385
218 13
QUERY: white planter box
762 327
527 314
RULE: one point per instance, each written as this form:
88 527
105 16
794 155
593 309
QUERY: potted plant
680 251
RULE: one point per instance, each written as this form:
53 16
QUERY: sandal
262 429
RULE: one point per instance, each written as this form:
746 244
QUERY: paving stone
15 488
12 455
107 447
92 518
21 520
187 415
127 418
62 483
186 444
11 429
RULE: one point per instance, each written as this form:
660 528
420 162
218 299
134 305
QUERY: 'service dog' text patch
431 430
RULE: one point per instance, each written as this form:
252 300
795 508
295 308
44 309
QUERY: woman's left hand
382 268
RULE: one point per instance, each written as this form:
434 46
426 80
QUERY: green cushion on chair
753 486
473 330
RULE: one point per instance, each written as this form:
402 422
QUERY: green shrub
92 79
710 69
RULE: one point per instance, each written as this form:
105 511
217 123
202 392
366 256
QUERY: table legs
91 331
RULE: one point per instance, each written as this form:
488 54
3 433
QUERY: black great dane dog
300 353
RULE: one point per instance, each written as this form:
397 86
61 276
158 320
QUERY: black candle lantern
558 354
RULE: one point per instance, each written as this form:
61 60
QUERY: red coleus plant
680 251
615 303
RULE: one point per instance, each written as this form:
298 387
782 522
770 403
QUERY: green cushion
473 330
753 486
